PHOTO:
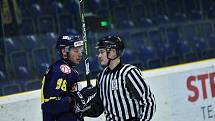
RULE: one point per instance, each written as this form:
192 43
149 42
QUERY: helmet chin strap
110 59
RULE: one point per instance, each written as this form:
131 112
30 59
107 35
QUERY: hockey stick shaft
86 59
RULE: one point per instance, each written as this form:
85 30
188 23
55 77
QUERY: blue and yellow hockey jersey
58 83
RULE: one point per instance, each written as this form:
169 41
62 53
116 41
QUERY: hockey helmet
111 42
68 41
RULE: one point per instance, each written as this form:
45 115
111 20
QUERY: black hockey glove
87 92
77 102
82 99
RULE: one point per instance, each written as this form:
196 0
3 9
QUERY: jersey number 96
61 84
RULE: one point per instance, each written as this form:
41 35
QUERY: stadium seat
166 50
55 7
65 22
128 3
183 47
103 4
46 24
103 13
3 69
198 45
172 60
128 57
33 85
144 23
20 65
206 5
4 80
172 36
72 7
172 7
208 53
156 38
48 40
189 5
41 60
190 57
196 15
1 92
138 12
179 17
31 2
24 8
139 15
12 45
11 89
136 40
189 31
2 76
211 41
121 18
205 29
154 63
113 3
145 53
71 31
211 13
36 10
27 26
161 19
2 63
30 42
92 5
52 38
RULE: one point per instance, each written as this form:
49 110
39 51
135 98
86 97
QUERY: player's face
75 55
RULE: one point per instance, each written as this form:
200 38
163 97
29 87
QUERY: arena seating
156 33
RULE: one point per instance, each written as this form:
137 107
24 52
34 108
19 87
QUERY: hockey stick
84 36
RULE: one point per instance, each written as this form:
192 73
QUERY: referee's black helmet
111 42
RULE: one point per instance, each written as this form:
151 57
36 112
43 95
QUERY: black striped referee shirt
124 94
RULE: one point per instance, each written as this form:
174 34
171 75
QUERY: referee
121 89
